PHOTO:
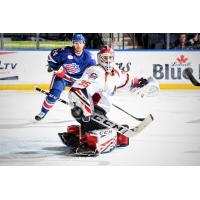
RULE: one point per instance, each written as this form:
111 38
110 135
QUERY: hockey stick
51 95
137 118
106 122
188 71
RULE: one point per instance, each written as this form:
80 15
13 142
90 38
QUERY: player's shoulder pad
68 48
61 50
89 54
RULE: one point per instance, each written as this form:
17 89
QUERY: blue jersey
74 64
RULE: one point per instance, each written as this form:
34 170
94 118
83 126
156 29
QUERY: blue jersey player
68 64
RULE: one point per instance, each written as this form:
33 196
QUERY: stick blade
143 124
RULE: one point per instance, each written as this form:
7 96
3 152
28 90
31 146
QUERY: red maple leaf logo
182 59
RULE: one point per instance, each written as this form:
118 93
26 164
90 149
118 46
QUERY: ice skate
40 116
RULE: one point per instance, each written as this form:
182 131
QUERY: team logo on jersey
70 57
93 76
72 68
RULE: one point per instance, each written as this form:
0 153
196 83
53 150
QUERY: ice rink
173 138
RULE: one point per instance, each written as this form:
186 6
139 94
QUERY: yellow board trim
178 87
24 86
46 87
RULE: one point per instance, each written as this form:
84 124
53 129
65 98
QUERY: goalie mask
105 58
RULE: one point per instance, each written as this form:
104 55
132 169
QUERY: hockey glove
49 69
142 82
61 72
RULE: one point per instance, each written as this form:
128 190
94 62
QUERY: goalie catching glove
145 87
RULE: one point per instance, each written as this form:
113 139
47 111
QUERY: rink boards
23 70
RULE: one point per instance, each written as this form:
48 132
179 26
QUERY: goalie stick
137 118
108 123
188 71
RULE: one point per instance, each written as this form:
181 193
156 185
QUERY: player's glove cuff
142 82
138 83
61 72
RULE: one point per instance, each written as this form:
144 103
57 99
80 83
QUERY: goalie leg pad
80 98
71 138
73 129
122 140
99 142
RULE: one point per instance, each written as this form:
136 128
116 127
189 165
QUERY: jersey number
84 83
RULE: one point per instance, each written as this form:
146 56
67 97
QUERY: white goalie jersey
98 82
102 85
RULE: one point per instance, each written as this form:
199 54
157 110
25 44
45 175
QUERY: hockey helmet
105 58
78 37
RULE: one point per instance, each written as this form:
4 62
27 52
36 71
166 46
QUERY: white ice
173 138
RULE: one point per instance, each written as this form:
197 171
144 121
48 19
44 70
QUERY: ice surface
172 139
